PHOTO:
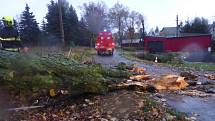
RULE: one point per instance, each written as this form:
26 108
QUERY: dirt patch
5 102
117 106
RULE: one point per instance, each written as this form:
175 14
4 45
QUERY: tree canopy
95 15
28 26
198 25
1 24
71 24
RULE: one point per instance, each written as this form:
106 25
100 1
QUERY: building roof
168 32
130 41
171 32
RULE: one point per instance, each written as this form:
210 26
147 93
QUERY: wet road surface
204 107
153 69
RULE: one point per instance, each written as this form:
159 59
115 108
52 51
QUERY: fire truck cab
105 43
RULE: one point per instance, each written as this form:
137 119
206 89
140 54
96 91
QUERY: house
168 32
172 32
131 43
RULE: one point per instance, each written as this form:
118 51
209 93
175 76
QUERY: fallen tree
27 74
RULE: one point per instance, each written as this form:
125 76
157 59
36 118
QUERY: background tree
83 34
43 26
187 27
198 25
28 26
95 16
71 26
16 24
117 15
52 26
132 24
151 32
44 35
70 22
157 30
1 25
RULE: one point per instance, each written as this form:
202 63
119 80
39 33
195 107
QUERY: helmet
8 21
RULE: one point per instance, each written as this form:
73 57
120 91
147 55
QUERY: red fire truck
105 43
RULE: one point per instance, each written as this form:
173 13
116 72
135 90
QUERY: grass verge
168 60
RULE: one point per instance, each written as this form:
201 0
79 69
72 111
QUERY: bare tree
132 22
95 16
116 15
151 32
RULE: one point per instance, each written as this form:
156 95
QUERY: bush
148 56
132 48
162 58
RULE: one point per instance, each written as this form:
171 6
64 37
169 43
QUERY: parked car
105 43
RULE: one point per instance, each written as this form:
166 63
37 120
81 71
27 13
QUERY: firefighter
9 36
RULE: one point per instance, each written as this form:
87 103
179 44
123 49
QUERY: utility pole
177 26
61 22
143 32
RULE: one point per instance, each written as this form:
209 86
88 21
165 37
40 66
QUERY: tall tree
95 15
198 25
16 24
117 15
156 30
151 32
52 17
43 26
70 22
71 26
44 35
132 22
28 26
83 34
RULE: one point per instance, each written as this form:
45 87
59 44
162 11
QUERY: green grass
149 104
179 115
166 61
196 66
132 48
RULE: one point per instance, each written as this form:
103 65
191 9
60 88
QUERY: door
156 46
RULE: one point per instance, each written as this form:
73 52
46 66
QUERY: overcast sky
160 13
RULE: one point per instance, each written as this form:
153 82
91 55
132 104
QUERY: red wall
189 43
149 39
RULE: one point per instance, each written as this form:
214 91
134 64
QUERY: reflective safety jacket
10 44
9 39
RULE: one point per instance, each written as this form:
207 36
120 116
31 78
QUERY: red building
175 44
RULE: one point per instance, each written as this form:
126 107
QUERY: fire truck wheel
98 53
111 53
